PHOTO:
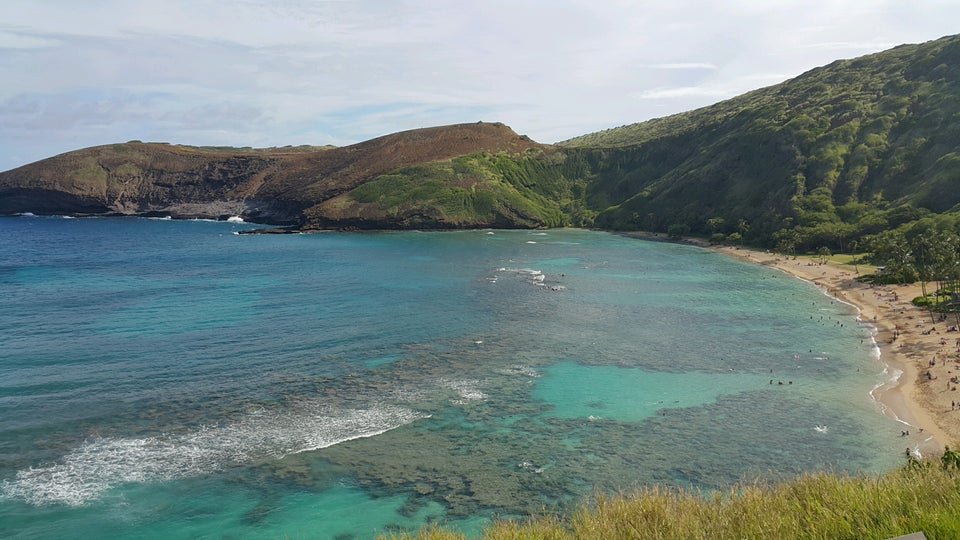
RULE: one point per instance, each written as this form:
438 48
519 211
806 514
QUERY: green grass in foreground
923 497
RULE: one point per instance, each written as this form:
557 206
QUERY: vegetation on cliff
862 154
269 185
830 157
825 160
533 189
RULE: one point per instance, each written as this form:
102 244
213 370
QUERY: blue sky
278 72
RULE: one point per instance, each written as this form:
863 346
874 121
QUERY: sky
266 73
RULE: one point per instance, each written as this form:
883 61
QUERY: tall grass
921 497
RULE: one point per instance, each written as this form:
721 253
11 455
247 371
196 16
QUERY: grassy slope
861 135
137 177
921 498
833 155
534 188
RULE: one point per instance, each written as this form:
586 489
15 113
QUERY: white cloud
14 40
682 91
852 46
683 65
276 72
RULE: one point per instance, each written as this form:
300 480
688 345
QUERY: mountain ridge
839 152
816 155
272 185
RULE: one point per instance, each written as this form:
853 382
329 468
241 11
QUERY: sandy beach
925 398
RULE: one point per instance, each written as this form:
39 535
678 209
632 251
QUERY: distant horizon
290 73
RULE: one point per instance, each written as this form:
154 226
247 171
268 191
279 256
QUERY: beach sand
908 340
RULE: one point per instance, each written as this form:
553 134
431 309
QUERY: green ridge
823 160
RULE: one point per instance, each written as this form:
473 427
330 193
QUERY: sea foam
467 390
98 465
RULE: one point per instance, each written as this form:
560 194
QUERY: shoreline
924 397
907 340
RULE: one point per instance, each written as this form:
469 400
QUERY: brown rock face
268 185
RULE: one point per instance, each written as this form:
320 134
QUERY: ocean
174 379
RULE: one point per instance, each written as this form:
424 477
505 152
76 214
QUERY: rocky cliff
275 185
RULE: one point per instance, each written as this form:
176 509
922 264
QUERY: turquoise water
633 394
163 379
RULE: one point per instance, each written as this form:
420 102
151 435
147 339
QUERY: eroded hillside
832 156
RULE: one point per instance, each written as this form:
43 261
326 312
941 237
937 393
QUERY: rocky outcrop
265 185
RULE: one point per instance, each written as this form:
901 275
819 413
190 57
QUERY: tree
744 227
923 263
823 254
787 240
678 230
714 224
841 231
936 259
892 251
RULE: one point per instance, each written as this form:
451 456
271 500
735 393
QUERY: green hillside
458 176
829 158
538 188
839 152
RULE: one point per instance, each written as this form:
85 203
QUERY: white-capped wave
100 464
533 276
235 219
893 379
25 214
519 369
468 390
521 271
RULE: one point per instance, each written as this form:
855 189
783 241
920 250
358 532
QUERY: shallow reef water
172 379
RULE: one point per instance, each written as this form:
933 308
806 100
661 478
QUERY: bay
172 379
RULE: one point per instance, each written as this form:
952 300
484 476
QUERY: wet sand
908 340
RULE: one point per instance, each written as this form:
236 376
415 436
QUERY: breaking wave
531 275
519 370
467 390
98 465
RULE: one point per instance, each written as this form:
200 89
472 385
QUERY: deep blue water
165 379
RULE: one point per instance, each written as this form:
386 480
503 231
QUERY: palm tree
744 227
